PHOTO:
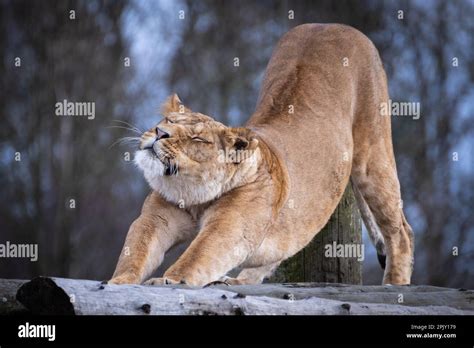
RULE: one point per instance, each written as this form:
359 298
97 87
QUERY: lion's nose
161 134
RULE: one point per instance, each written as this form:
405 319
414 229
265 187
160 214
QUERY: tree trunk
312 264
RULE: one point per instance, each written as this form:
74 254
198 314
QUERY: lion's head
190 158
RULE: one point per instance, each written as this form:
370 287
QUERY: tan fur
316 124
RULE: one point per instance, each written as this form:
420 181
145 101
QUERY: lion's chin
149 164
179 189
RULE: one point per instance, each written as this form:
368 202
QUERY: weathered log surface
8 303
87 297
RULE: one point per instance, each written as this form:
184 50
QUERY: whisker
121 127
130 125
125 140
175 167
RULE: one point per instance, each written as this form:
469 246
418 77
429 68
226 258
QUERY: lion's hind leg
376 178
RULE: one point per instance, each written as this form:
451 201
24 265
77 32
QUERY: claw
160 281
216 282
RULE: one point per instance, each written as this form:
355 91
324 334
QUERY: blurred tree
429 60
70 50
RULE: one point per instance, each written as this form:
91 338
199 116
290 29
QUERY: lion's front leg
142 252
214 252
209 257
159 227
247 276
231 231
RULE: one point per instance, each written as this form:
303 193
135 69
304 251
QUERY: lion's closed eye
202 140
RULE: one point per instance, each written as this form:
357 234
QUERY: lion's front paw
225 281
233 281
125 278
216 282
161 281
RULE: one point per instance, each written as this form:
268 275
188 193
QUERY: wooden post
311 265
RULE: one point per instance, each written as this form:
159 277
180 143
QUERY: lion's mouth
171 168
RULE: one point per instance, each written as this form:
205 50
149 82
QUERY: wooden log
311 265
8 303
87 297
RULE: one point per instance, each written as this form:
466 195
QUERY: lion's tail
372 228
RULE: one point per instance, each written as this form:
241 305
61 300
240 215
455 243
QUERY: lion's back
318 73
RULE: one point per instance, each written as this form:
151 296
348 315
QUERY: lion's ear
240 143
173 104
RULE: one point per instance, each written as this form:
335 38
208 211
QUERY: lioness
251 197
